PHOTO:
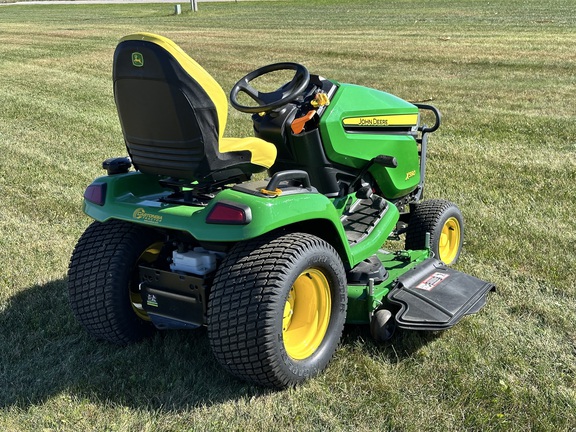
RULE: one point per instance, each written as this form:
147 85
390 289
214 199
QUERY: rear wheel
277 309
103 280
444 221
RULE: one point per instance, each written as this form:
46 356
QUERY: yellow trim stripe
382 121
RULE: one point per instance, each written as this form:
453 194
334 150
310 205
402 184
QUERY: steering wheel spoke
245 87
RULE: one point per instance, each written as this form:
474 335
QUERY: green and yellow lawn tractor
273 268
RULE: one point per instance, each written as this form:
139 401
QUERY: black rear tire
259 294
103 280
444 221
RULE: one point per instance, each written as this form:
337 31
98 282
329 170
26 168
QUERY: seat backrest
172 112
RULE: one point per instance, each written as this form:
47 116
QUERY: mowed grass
503 74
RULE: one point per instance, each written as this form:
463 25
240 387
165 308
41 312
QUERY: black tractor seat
173 115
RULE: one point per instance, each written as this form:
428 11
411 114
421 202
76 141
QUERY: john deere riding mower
183 236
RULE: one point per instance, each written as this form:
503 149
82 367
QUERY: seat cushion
262 152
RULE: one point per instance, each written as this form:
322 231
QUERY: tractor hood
361 123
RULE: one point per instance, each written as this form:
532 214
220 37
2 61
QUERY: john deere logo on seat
137 59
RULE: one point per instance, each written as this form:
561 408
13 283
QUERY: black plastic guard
173 300
432 296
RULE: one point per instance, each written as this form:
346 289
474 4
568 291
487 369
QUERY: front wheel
103 280
444 221
277 309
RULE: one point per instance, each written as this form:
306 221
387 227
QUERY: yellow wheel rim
148 256
306 314
449 244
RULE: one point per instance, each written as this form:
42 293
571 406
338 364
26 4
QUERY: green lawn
504 76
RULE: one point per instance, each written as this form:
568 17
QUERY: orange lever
298 124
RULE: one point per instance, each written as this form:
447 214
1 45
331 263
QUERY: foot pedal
432 296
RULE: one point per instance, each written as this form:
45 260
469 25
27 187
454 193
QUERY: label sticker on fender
433 281
152 301
140 213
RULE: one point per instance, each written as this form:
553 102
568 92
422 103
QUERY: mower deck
432 296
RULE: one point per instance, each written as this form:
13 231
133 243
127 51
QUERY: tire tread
99 269
427 218
241 313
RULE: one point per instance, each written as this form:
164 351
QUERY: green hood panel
361 123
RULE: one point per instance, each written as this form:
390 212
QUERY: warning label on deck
432 281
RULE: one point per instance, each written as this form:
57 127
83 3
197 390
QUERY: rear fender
136 197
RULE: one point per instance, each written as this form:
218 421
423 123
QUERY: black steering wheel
272 100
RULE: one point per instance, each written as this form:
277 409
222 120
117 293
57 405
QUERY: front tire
277 309
103 280
444 221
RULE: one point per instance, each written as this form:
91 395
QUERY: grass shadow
403 344
49 353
